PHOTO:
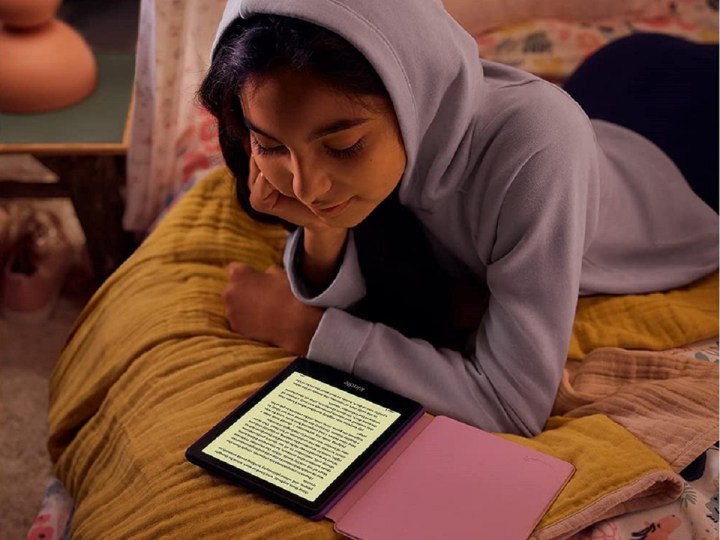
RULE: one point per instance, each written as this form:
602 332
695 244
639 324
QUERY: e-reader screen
305 436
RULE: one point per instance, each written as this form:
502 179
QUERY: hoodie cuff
347 288
338 340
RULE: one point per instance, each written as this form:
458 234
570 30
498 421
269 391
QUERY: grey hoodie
517 189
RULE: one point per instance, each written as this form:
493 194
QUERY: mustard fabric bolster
654 322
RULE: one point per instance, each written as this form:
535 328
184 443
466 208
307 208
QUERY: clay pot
45 68
27 13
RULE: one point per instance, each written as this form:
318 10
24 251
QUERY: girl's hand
322 245
261 306
265 198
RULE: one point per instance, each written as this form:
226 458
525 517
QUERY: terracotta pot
44 69
27 13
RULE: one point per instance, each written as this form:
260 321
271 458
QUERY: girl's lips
332 211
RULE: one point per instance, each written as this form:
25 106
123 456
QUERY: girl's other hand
261 306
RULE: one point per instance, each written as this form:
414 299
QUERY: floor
27 357
28 352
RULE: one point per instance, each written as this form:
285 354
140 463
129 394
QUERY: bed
151 363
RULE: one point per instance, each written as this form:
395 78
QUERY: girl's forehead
288 82
290 92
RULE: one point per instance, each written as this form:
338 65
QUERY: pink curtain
172 140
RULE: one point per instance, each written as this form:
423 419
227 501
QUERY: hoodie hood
429 65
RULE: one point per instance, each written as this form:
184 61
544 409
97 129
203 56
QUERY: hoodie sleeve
507 382
347 288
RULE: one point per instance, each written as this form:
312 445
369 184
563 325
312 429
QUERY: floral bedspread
554 48
693 516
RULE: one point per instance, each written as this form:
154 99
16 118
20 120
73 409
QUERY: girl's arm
321 255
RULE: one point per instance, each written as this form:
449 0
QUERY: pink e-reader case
445 479
327 444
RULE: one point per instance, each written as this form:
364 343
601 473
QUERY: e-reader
306 436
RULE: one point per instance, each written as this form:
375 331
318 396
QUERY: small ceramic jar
27 13
44 69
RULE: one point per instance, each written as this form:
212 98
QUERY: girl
447 211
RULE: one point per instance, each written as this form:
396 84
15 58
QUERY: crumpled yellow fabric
668 403
151 365
614 474
654 322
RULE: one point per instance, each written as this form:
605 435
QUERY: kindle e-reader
306 436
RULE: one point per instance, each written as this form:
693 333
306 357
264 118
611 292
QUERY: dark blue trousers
664 88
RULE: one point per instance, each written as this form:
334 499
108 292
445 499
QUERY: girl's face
339 156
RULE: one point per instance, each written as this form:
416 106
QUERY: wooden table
86 146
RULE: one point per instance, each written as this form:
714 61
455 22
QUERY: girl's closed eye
347 152
266 150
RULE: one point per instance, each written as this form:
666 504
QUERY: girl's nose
309 184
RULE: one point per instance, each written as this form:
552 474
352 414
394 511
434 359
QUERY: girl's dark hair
406 289
259 46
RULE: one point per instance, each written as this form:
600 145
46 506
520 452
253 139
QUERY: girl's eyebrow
333 127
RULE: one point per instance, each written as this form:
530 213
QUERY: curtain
172 140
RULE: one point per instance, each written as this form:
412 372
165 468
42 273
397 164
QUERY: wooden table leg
95 185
